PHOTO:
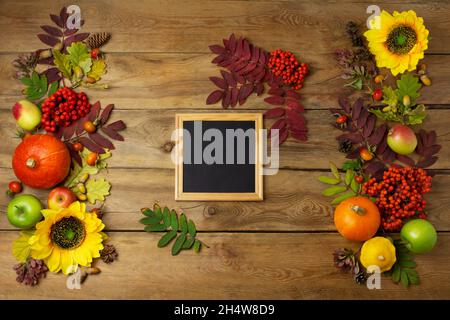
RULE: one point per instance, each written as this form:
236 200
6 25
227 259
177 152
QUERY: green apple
420 235
402 139
27 114
24 211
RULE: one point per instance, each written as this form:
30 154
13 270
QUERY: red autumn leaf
75 38
52 75
234 97
69 131
92 115
275 100
431 138
214 97
70 32
255 54
48 40
279 124
91 145
259 89
63 15
344 103
370 125
217 49
294 119
112 134
361 122
378 135
293 94
357 108
389 155
299 136
226 99
56 19
295 105
352 137
276 92
406 160
52 31
246 51
118 125
230 80
431 150
374 166
101 141
218 60
106 113
239 78
219 82
427 162
274 113
381 147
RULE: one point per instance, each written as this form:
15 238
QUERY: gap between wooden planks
236 266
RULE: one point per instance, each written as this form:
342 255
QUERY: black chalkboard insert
219 178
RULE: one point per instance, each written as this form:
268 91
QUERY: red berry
15 187
377 95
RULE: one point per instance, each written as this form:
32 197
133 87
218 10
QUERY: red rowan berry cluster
62 108
285 65
399 195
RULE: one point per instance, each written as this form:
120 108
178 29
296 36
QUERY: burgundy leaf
283 134
219 82
48 61
378 135
352 137
246 52
294 119
106 113
217 49
299 136
432 150
260 76
226 99
274 113
92 115
427 162
63 15
389 155
279 124
91 145
295 105
101 141
52 75
255 54
75 38
52 31
239 47
70 32
80 125
370 125
57 20
112 134
275 100
364 114
58 134
353 154
276 91
381 147
357 108
248 69
230 80
406 160
118 125
218 59
431 138
74 154
293 94
239 78
69 131
234 97
214 97
420 149
259 88
344 103
374 166
48 40
245 91
262 56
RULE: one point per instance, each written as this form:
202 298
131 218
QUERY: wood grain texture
237 266
293 202
180 81
148 140
166 26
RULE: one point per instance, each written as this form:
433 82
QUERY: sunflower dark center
68 233
401 39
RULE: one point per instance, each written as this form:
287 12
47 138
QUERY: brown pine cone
96 40
109 253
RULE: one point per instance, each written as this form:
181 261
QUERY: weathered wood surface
236 266
158 65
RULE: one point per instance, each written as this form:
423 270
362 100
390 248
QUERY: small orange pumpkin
41 161
357 219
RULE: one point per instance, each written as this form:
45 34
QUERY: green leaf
192 229
417 115
166 217
150 220
147 212
158 213
21 247
335 171
188 243
26 81
349 174
85 65
396 273
353 165
62 62
183 223
413 276
197 246
404 256
165 240
407 264
53 88
178 245
76 172
78 52
390 97
328 180
174 220
43 83
354 186
342 198
408 85
155 228
97 190
404 279
334 190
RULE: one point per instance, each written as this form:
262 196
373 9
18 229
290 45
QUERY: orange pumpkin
41 161
357 219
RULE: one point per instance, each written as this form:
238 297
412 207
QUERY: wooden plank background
159 64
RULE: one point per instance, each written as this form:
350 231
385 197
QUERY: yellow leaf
97 190
21 248
98 69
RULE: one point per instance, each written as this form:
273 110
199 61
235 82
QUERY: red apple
61 197
402 140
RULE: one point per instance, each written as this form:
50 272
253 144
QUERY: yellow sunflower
67 237
398 41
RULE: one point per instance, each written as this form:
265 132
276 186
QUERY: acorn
84 177
406 101
425 80
81 187
82 197
379 78
90 80
45 54
58 46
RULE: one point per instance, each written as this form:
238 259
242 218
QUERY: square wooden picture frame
181 195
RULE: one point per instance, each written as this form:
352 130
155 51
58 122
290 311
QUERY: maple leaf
98 69
97 190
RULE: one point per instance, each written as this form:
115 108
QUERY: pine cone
361 277
30 272
96 40
345 146
109 253
353 32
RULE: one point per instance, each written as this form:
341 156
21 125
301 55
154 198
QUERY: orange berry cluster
399 195
285 65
